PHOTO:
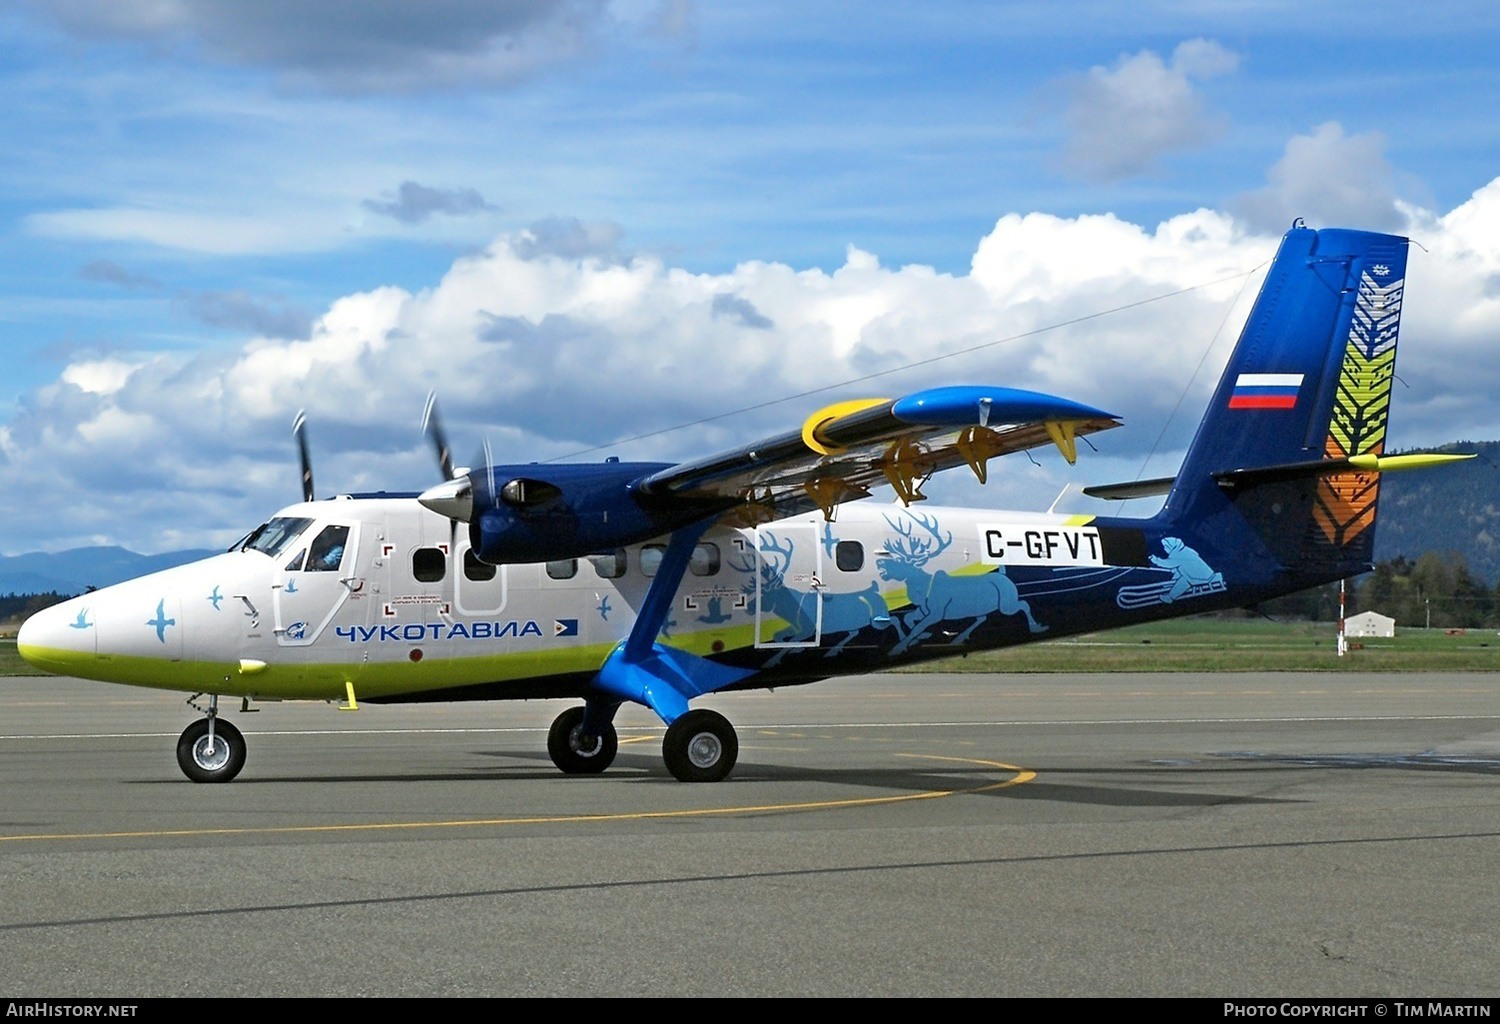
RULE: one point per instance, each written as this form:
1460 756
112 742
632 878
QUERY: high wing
845 449
541 513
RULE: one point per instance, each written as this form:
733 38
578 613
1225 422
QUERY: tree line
19 606
1435 589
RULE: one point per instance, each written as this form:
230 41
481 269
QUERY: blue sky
582 221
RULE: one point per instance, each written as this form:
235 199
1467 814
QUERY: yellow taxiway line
1022 775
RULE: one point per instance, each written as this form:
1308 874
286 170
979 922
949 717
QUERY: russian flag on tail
1265 391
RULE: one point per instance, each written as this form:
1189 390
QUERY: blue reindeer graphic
842 613
938 597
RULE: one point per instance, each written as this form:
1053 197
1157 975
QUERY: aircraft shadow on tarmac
968 779
1421 762
1153 784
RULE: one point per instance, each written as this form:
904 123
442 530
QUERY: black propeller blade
299 431
489 469
432 426
454 497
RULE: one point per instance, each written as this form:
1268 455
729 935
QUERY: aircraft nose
57 637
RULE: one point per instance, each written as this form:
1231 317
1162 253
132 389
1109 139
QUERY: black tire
572 755
701 746
221 764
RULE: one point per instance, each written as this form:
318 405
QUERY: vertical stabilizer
1310 379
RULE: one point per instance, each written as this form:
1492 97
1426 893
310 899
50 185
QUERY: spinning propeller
542 513
432 426
299 431
534 512
454 497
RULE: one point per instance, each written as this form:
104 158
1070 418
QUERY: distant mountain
1452 508
73 572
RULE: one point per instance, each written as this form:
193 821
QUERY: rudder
1361 403
1309 381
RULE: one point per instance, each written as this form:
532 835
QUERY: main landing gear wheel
577 754
701 746
217 763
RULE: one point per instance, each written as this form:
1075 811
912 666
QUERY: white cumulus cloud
1121 120
1327 178
551 350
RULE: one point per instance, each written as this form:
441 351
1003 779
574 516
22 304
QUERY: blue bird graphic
161 622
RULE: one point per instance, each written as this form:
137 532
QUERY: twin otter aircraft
659 583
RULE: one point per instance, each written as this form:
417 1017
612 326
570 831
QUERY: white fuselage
404 609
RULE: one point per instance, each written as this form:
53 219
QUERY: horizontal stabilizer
1333 467
1289 471
1136 489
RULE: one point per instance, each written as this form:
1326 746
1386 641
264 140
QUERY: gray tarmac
1285 835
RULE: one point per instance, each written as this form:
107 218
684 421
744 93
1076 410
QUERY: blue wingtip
969 405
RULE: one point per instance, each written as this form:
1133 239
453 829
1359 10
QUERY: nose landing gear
210 750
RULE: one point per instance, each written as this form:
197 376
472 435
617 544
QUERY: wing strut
663 678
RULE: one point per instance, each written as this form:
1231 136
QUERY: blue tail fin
1308 382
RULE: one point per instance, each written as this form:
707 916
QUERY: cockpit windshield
276 536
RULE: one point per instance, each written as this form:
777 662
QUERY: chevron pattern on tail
1345 504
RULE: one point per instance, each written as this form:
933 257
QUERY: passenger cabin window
651 556
476 570
705 560
563 568
610 566
327 551
428 565
849 555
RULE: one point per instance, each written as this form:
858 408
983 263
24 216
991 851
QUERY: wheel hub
704 750
584 746
211 758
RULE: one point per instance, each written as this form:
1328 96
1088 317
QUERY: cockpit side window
295 565
327 550
276 536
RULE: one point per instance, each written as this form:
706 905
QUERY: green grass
1238 645
10 662
1191 645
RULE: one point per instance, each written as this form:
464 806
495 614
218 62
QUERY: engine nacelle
540 513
